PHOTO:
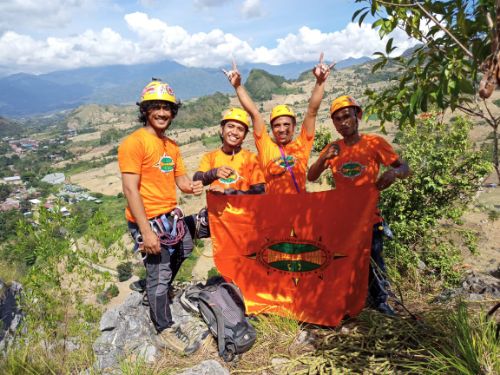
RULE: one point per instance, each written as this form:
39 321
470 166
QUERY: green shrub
321 139
446 173
124 271
213 272
104 297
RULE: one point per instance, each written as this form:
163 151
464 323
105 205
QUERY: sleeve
306 138
385 153
131 155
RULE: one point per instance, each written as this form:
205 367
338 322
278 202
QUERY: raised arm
246 101
321 71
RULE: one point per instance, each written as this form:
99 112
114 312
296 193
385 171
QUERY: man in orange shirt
355 161
231 169
151 166
284 159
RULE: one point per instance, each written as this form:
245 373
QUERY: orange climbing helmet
345 101
236 114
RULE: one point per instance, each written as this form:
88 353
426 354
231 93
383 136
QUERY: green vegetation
321 139
444 341
447 172
186 271
442 72
212 141
53 279
124 271
8 223
261 85
202 112
110 292
112 135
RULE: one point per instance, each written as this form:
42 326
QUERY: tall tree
458 45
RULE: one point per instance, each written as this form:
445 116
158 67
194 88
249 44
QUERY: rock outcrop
10 313
127 332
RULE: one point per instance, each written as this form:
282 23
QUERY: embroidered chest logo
351 169
277 166
165 164
231 179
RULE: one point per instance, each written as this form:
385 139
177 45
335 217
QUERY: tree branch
434 19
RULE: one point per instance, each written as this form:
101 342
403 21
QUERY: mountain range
24 95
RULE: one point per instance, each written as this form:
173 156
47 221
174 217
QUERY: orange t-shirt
245 164
278 179
359 164
158 161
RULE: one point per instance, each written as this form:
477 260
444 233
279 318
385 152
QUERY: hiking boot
138 286
196 333
174 339
385 309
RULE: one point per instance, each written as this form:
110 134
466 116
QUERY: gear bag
221 306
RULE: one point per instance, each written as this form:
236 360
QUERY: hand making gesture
233 75
321 71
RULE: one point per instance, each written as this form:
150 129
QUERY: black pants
378 284
161 270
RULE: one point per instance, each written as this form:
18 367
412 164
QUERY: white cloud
353 41
88 49
251 9
158 40
43 14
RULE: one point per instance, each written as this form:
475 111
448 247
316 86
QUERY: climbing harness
168 233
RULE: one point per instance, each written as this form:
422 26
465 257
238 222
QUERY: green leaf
388 46
355 14
362 17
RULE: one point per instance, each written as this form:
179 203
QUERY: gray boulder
127 330
10 313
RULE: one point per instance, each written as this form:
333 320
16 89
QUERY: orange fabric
278 179
306 258
158 161
245 163
359 164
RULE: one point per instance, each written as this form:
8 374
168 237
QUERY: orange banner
304 256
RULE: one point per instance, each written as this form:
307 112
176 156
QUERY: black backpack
222 308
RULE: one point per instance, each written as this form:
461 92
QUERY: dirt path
205 262
488 258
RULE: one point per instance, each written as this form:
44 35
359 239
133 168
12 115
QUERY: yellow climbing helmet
282 110
236 114
158 90
345 101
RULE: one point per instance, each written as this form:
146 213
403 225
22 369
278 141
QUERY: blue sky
43 36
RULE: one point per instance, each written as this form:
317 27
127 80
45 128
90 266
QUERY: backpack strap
221 341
